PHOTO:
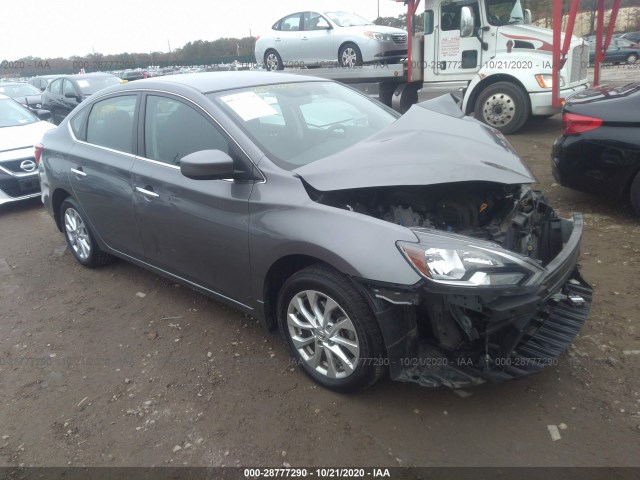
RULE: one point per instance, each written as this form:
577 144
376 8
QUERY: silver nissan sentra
376 243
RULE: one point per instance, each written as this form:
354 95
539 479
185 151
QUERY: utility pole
378 8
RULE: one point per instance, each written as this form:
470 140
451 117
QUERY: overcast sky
53 28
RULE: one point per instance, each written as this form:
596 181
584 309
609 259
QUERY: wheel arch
59 196
488 81
276 276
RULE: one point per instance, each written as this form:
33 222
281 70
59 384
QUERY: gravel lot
119 367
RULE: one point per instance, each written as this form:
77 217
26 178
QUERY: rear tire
635 194
503 106
80 239
350 56
330 331
273 61
632 58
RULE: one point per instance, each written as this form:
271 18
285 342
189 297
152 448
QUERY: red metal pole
612 23
569 33
557 35
412 6
599 44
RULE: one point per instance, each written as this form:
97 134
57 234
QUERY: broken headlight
452 260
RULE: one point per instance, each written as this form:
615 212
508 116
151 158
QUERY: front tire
632 58
350 56
503 106
273 61
329 330
79 237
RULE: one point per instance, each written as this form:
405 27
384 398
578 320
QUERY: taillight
38 152
257 38
574 124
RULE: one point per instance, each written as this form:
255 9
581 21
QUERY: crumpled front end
457 334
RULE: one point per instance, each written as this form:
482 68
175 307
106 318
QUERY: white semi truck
485 50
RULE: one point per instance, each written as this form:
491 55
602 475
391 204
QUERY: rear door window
111 123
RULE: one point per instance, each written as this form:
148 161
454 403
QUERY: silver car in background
20 130
327 38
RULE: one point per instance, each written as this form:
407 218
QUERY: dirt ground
93 373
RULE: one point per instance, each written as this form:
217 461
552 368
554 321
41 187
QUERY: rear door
287 39
70 97
100 171
54 100
195 229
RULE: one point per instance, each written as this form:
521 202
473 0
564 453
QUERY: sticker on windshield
249 106
82 83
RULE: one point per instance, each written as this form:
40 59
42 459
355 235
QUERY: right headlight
454 261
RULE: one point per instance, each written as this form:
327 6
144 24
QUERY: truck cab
489 51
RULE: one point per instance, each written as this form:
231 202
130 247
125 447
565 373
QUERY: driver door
317 39
456 57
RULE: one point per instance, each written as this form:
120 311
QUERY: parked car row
620 50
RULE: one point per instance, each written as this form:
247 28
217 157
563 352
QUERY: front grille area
19 187
399 38
554 332
14 165
579 63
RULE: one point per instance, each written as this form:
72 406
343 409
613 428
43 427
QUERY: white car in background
327 38
20 130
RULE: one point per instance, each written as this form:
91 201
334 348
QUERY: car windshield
89 86
13 114
299 123
21 90
347 19
501 12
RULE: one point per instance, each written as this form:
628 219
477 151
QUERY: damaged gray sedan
376 243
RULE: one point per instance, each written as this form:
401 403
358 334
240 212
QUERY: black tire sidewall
91 259
372 358
358 54
635 194
280 64
518 96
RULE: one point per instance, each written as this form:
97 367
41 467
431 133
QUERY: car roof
4 84
81 76
219 81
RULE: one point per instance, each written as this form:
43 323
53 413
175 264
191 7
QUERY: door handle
78 172
148 193
277 39
304 38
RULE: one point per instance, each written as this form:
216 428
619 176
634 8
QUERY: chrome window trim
139 91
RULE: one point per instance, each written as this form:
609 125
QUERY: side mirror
70 95
43 114
467 22
207 165
528 18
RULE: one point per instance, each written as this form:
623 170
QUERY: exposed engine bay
513 216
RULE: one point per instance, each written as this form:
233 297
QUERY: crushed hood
430 144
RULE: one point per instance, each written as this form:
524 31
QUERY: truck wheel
504 106
330 331
635 194
350 55
273 61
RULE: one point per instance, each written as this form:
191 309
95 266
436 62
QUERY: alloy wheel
349 57
77 234
323 334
